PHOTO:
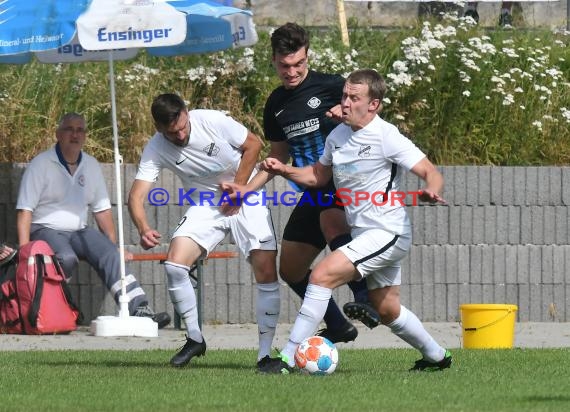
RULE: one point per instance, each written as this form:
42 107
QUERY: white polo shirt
370 161
211 157
59 200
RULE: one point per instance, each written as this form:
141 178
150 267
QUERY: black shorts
304 223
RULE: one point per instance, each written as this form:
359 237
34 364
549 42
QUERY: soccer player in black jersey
297 118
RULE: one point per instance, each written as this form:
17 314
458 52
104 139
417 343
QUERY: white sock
183 298
267 313
409 328
310 315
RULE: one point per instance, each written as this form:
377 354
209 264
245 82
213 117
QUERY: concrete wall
504 238
390 13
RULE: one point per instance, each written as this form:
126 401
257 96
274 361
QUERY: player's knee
326 279
291 276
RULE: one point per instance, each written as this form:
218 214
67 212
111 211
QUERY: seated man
57 190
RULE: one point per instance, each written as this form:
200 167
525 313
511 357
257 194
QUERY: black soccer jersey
298 115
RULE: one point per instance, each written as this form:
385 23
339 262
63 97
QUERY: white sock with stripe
410 329
183 298
310 315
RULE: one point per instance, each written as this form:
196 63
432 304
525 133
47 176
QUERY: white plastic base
124 326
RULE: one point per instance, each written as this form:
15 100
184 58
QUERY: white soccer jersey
59 200
211 157
369 161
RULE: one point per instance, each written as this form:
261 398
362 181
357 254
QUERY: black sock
359 290
339 241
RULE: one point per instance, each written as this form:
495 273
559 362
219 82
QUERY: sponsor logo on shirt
364 151
211 150
314 102
301 128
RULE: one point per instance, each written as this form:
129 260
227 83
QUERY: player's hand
234 193
150 238
335 113
273 166
431 197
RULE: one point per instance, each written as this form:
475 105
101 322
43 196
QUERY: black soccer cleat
425 365
347 333
190 349
162 318
363 312
275 366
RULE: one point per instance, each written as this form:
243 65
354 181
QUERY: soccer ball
316 356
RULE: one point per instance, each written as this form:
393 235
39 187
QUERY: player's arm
149 237
426 171
23 226
315 175
279 150
250 153
104 220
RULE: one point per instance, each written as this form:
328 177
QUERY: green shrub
463 94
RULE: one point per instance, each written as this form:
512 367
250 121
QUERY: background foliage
464 94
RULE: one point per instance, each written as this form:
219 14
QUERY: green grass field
366 380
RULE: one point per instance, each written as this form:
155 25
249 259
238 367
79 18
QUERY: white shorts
377 255
251 228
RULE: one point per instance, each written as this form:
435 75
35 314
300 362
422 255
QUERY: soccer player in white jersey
366 155
206 148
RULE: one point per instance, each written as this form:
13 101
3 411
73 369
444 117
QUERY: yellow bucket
488 325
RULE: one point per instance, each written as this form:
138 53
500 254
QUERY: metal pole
342 21
567 15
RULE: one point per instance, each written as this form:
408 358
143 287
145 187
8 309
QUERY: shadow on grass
138 364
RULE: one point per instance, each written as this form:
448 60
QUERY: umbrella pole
123 299
122 325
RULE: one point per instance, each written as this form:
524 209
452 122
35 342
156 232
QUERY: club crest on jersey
314 102
364 151
81 180
211 150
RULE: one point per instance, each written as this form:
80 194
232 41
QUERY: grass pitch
365 380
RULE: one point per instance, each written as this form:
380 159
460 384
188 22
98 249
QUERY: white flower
399 66
400 79
508 99
510 52
466 93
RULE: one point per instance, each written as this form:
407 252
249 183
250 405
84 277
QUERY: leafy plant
463 94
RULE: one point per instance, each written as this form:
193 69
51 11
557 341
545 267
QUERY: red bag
36 300
9 309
